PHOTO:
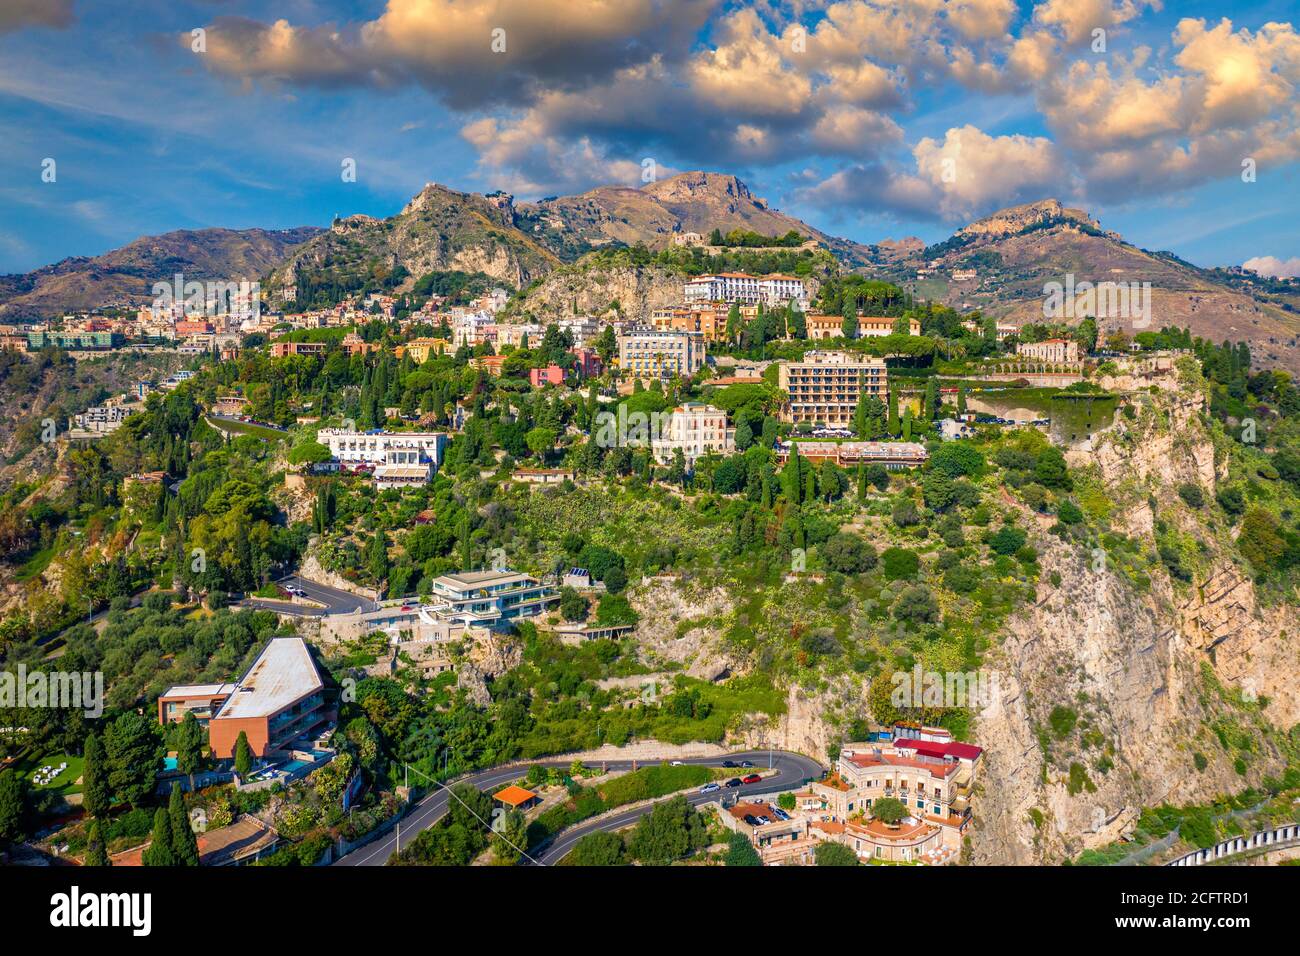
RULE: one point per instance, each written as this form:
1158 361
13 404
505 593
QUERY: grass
64 784
36 564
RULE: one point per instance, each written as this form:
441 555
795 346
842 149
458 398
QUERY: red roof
929 748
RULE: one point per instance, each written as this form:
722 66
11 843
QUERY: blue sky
851 132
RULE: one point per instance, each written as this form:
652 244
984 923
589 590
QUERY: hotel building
279 701
825 386
1050 350
487 598
696 429
647 353
394 458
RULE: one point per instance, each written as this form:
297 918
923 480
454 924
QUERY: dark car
729 763
747 763
752 778
749 818
733 782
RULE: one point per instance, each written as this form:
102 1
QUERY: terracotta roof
514 795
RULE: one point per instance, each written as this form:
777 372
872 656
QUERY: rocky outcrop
632 292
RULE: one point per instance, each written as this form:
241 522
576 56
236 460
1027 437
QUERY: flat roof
283 674
198 690
469 579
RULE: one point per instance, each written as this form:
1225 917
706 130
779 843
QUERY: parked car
764 820
749 818
675 763
733 782
729 763
752 778
747 763
709 788
780 814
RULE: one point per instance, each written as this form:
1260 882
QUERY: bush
1191 494
848 554
1069 513
835 854
899 563
917 605
1062 720
740 852
963 579
1007 540
956 458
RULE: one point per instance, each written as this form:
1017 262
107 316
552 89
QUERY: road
335 600
239 421
790 771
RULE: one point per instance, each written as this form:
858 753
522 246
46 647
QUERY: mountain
439 230
1015 252
125 276
693 201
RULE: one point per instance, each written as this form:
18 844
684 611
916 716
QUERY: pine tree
189 746
185 845
159 852
96 852
94 779
243 755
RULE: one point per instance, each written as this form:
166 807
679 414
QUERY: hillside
125 276
1016 251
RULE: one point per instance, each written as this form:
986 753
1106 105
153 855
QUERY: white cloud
1275 267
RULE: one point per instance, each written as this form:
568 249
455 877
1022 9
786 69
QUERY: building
421 349
1050 350
356 345
544 476
551 375
102 419
234 405
396 459
282 349
473 328
646 353
824 387
75 341
894 455
584 329
516 797
777 289
279 703
722 287
869 326
695 429
709 321
492 364
588 363
527 334
487 598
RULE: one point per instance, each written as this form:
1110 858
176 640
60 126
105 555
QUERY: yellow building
421 349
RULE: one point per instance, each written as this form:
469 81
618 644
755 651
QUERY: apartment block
708 320
489 599
647 353
825 387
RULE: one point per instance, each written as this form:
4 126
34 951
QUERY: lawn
65 783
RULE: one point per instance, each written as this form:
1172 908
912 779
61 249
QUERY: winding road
335 600
788 770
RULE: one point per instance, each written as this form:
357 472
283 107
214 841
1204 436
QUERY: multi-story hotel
278 702
487 598
709 321
772 289
894 455
1050 350
825 386
696 429
647 353
394 458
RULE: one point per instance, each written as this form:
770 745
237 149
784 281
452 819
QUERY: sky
1175 123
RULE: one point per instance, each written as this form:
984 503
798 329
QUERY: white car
676 763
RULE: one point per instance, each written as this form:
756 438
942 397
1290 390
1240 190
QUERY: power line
451 793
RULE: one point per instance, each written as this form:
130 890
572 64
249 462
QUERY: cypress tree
243 755
159 852
94 779
185 845
96 852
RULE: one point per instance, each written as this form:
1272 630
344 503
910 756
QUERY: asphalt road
789 770
336 600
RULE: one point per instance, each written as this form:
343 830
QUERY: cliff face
638 290
1159 677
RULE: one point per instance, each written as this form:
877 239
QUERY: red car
752 778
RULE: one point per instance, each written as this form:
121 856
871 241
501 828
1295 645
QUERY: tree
849 322
96 852
95 797
513 833
189 746
159 851
932 398
668 832
834 854
889 810
956 459
243 755
598 849
13 808
573 606
848 554
540 441
134 757
185 845
740 852
309 453
916 605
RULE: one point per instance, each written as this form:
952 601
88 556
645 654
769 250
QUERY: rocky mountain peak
1015 218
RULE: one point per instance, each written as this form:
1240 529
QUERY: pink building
551 375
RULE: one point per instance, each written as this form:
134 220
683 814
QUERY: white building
396 459
102 419
723 287
514 334
584 329
473 328
649 353
696 429
778 290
